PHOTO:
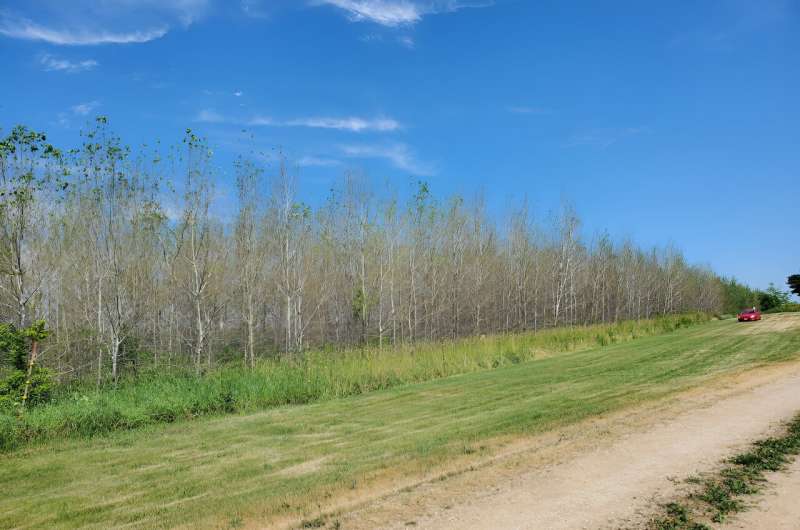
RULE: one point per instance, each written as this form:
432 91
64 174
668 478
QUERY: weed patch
721 495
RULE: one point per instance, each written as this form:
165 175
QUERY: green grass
721 494
83 411
678 517
235 469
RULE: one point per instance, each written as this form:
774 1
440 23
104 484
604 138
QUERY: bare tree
128 273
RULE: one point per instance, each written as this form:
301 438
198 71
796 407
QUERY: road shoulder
606 472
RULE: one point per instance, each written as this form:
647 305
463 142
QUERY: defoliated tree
193 242
249 250
121 267
28 169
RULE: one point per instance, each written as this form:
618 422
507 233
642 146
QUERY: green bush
13 347
13 386
14 351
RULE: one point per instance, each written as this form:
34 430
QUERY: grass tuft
319 522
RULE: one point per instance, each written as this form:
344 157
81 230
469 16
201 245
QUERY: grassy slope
155 398
221 471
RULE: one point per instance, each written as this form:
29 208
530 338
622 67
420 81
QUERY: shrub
13 386
13 347
14 351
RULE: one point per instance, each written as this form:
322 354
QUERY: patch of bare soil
605 473
778 508
304 468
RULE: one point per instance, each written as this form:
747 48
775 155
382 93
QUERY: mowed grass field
252 470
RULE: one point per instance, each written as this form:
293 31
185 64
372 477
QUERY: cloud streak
209 116
313 161
22 28
399 155
55 64
91 23
395 13
82 109
350 124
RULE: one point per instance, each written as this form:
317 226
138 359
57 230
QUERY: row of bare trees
131 263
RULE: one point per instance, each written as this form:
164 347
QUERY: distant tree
250 255
736 296
772 298
28 167
195 245
794 283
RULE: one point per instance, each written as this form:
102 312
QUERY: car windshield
749 311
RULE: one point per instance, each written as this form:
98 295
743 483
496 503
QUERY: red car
750 315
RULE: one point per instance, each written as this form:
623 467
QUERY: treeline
737 296
129 261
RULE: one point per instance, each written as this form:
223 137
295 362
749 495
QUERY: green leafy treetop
36 332
794 283
772 298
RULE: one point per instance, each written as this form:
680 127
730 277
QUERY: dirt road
611 472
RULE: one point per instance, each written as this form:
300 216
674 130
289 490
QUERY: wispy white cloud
310 161
254 8
238 93
89 22
82 109
55 64
346 124
407 41
64 118
395 13
384 12
399 155
186 12
22 28
351 124
209 116
730 24
260 121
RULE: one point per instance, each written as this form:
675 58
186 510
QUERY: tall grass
82 411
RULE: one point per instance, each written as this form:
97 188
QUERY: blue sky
666 122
